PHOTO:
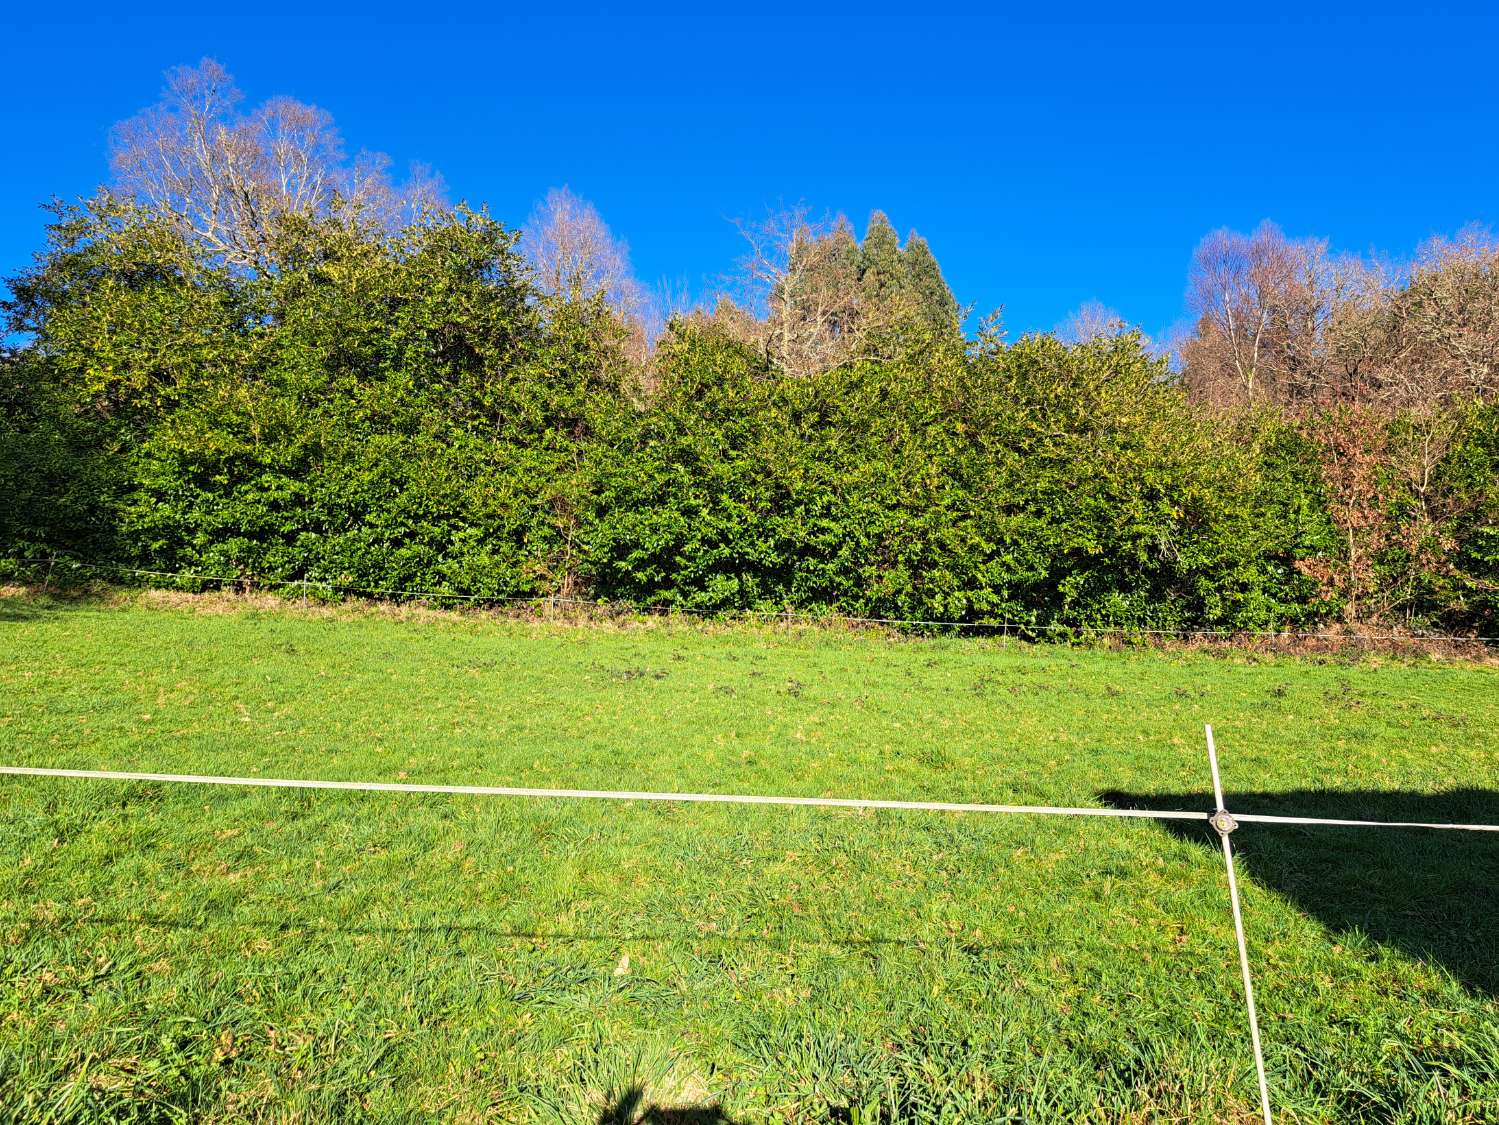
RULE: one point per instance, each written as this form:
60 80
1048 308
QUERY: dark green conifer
933 299
882 274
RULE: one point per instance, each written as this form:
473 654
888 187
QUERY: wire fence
1223 821
308 586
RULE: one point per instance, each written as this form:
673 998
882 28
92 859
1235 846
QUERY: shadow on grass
630 1109
32 600
1431 894
31 606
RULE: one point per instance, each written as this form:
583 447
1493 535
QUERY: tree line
255 355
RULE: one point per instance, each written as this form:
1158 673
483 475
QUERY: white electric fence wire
596 794
1233 898
1006 628
712 798
1272 818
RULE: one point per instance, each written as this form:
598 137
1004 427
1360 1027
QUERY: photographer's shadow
632 1108
1432 894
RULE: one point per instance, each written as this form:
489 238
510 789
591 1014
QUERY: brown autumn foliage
1373 365
1282 322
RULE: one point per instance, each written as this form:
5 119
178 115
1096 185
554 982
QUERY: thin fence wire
715 798
1333 822
1004 628
597 794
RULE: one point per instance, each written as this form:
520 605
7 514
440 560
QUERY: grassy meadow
176 953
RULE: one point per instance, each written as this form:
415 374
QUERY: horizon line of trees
254 352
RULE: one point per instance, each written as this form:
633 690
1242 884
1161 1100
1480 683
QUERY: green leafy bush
387 413
1035 484
406 412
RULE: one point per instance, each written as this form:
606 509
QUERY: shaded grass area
174 953
1433 895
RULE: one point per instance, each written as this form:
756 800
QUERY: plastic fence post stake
1225 824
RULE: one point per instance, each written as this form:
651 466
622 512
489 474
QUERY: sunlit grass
191 953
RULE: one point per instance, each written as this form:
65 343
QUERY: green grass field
187 953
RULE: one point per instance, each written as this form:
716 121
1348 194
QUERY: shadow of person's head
631 1108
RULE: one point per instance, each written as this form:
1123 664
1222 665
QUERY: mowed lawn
192 953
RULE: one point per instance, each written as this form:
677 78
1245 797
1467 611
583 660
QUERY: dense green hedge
1029 483
408 413
376 414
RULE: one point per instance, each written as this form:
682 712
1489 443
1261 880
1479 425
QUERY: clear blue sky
1050 154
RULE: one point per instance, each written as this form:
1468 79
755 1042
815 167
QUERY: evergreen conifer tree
882 274
933 299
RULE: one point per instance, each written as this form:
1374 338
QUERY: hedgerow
407 411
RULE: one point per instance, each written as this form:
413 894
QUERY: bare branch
576 257
227 179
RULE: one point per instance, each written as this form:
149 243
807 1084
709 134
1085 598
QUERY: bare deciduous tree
576 257
1374 365
1444 324
1239 286
227 177
1089 321
391 204
812 282
804 273
1280 320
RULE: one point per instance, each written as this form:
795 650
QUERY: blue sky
1049 155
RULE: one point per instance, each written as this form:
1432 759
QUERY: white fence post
1224 823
